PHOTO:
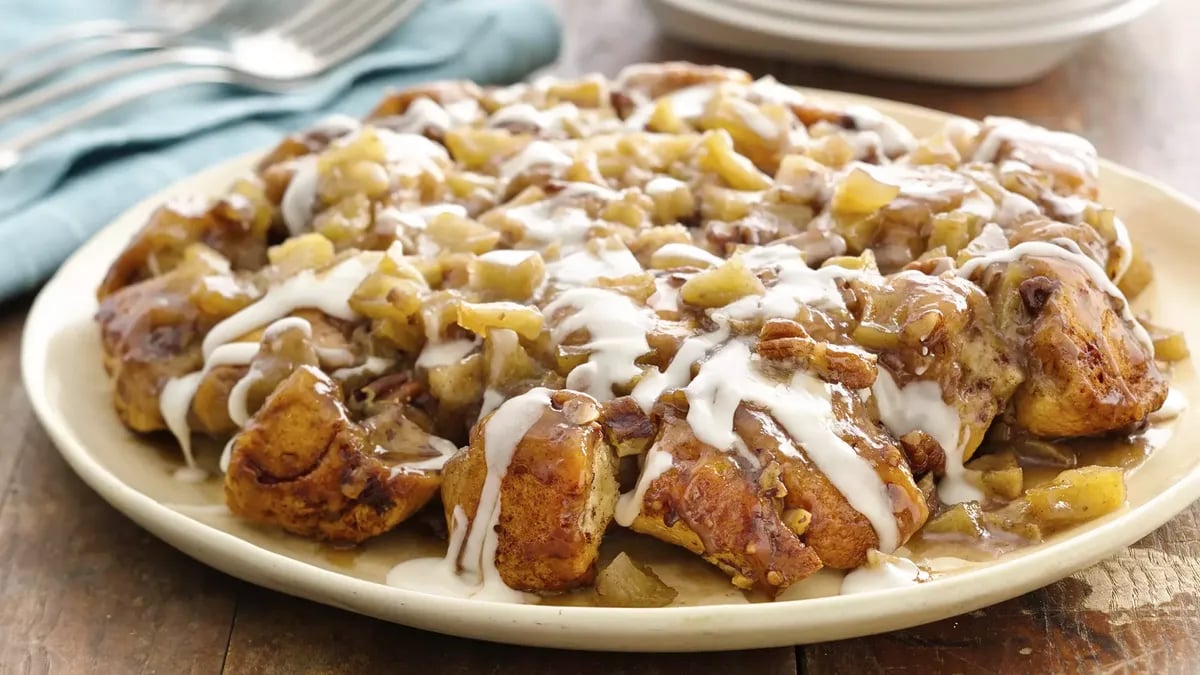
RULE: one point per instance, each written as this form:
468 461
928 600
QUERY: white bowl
1013 14
986 57
951 5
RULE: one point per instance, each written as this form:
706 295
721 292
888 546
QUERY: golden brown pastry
772 330
556 495
151 330
1089 369
703 500
303 465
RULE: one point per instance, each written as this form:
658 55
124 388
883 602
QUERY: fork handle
83 30
110 44
198 56
10 151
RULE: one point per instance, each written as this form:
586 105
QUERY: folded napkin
69 187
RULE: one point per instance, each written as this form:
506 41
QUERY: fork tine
332 19
360 30
374 32
318 18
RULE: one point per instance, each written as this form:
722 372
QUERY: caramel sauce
1040 464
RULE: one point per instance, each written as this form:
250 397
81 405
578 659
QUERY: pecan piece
787 341
924 454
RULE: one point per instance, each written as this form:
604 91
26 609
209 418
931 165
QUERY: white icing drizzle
629 504
547 222
503 341
921 406
617 329
417 219
1124 247
755 119
1015 208
679 371
190 474
374 365
551 119
883 575
689 103
175 401
328 292
507 257
608 258
894 138
226 455
556 219
1171 408
334 357
224 283
536 155
337 124
492 398
411 153
803 407
665 297
436 575
463 112
300 197
796 285
770 90
437 353
1090 267
689 254
475 553
1060 149
238 408
663 185
423 114
501 435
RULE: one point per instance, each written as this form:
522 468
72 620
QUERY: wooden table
82 589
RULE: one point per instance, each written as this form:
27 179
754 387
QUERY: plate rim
878 38
938 19
674 629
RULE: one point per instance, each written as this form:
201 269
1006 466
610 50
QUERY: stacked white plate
983 42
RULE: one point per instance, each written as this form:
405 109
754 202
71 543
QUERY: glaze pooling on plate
777 332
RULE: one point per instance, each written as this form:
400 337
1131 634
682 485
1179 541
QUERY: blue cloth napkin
69 187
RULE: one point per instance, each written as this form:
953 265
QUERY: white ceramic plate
1004 56
62 369
971 17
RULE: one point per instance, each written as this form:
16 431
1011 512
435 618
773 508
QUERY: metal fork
160 22
276 60
245 27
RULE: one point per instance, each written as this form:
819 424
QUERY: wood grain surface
84 590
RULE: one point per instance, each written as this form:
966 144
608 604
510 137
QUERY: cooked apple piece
721 285
1076 496
625 583
479 317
